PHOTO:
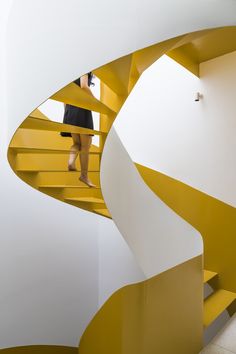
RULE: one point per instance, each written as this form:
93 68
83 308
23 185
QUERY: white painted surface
47 250
225 341
48 267
162 127
50 43
117 265
158 237
227 337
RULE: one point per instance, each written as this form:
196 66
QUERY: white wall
162 127
48 254
51 42
117 265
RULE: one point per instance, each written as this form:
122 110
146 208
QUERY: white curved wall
193 142
50 43
158 237
45 296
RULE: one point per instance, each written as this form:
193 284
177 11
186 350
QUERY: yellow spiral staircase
38 155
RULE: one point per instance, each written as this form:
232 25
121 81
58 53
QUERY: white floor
225 341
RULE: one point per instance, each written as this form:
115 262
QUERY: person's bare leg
74 150
85 141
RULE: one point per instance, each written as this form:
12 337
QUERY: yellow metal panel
38 114
213 43
215 220
40 349
74 95
86 200
103 212
116 74
215 304
185 57
208 275
160 315
42 124
145 57
51 162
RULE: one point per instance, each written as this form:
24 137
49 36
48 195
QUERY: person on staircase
80 117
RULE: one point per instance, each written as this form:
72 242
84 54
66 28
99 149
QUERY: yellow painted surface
213 43
76 96
40 349
215 220
116 74
43 124
208 275
160 315
103 212
215 304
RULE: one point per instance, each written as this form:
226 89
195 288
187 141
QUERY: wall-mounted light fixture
198 96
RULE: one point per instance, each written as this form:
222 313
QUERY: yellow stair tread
116 74
64 186
215 304
103 212
38 114
25 150
42 124
74 95
208 275
86 199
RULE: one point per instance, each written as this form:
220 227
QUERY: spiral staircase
38 155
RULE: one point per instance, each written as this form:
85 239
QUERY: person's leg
85 141
74 150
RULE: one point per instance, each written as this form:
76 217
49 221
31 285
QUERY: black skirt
78 116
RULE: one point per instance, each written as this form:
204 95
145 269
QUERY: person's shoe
87 182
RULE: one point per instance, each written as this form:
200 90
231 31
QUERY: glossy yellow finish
213 43
215 220
163 314
43 124
116 74
40 349
160 315
208 275
215 304
74 95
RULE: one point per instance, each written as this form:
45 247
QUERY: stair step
116 74
51 162
86 200
103 212
74 95
42 124
43 139
41 150
38 114
215 304
64 186
208 275
52 171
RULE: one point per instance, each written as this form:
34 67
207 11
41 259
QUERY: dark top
78 116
